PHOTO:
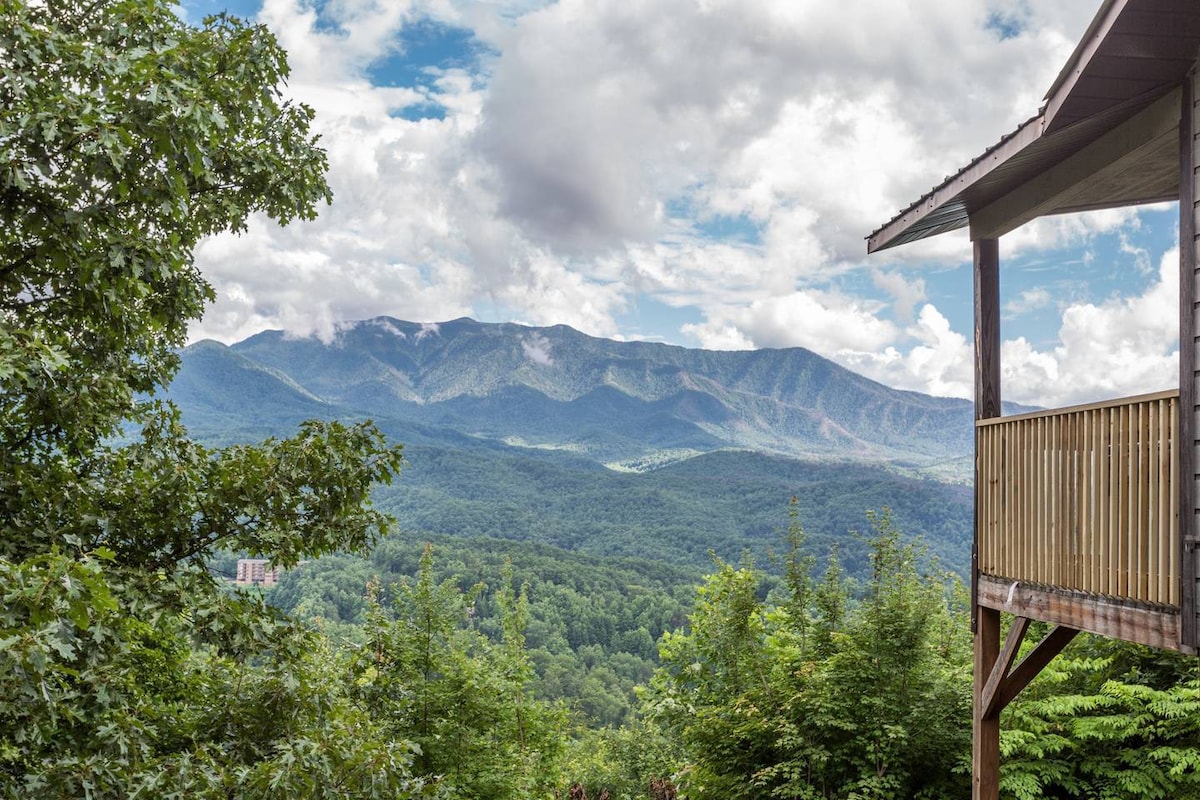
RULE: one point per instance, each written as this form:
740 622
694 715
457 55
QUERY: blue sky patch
196 10
731 229
425 49
1036 285
1007 25
648 318
738 228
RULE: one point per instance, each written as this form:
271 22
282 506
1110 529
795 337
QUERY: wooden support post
996 686
987 328
987 369
985 622
1188 275
985 739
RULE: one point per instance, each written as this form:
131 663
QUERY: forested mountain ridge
611 448
627 404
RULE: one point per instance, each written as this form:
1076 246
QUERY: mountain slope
512 432
622 403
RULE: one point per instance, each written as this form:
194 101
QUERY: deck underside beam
1156 626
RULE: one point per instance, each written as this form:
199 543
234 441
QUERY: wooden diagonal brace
1002 685
1008 654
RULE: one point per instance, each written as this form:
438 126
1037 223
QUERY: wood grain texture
986 258
985 739
1082 498
1008 654
1188 373
987 328
1012 684
1155 626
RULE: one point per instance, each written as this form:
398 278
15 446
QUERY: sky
696 172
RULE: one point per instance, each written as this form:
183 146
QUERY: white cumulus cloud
590 152
537 348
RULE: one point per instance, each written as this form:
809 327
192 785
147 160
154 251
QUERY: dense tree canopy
125 136
815 697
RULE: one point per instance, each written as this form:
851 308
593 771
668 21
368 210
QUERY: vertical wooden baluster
1122 553
1047 504
1110 519
1050 464
1006 489
1028 501
1073 494
1043 504
1137 503
1021 455
1150 457
1165 501
1137 586
1128 523
1173 544
1000 499
1161 485
1122 523
1030 485
1066 534
1087 519
1062 544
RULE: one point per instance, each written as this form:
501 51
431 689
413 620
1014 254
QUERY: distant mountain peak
612 401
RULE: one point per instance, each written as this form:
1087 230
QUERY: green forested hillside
727 502
593 623
614 448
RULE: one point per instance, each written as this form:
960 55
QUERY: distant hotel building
256 572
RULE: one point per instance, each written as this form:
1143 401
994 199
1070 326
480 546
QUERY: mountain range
630 448
629 405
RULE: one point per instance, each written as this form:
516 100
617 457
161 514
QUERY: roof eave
908 227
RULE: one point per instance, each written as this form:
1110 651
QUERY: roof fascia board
1068 180
890 234
1064 84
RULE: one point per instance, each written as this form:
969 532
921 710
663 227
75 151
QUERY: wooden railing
1083 498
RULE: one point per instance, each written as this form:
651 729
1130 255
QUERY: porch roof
1106 135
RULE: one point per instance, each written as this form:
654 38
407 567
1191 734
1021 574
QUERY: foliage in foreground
1106 720
821 692
126 135
461 699
815 697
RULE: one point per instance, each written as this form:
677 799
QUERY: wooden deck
1077 513
1087 518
